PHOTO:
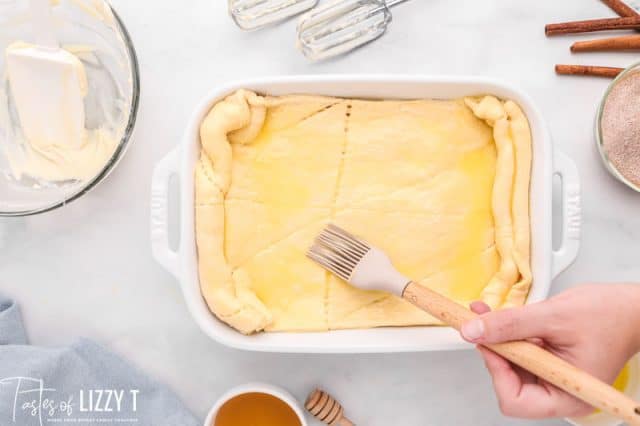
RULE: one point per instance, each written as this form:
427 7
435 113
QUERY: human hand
594 327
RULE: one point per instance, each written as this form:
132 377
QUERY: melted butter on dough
510 200
442 186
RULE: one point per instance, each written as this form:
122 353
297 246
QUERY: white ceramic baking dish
182 263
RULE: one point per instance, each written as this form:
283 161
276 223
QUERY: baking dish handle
566 254
162 252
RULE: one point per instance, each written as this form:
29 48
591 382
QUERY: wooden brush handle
533 358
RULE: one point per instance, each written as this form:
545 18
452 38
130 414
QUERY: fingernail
473 330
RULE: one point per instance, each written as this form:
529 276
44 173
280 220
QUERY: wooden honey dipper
326 409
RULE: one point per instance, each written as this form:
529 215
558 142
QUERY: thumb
510 324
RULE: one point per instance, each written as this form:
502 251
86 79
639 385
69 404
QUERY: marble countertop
87 270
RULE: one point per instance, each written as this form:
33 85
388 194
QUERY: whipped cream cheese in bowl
67 108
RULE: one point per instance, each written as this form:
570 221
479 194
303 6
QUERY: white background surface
86 270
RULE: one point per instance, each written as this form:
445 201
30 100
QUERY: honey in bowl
256 409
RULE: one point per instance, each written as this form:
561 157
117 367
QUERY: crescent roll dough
441 186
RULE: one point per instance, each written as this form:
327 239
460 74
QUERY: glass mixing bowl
611 168
92 30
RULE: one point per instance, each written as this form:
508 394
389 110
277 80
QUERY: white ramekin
546 261
279 393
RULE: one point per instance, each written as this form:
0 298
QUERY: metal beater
255 14
340 26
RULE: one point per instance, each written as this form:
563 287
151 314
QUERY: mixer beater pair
324 31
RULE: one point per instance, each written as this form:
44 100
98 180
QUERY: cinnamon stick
593 25
631 42
621 8
609 72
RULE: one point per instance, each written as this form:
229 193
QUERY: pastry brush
367 267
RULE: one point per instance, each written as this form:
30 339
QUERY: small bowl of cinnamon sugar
618 127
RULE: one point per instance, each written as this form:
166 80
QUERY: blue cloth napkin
82 384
